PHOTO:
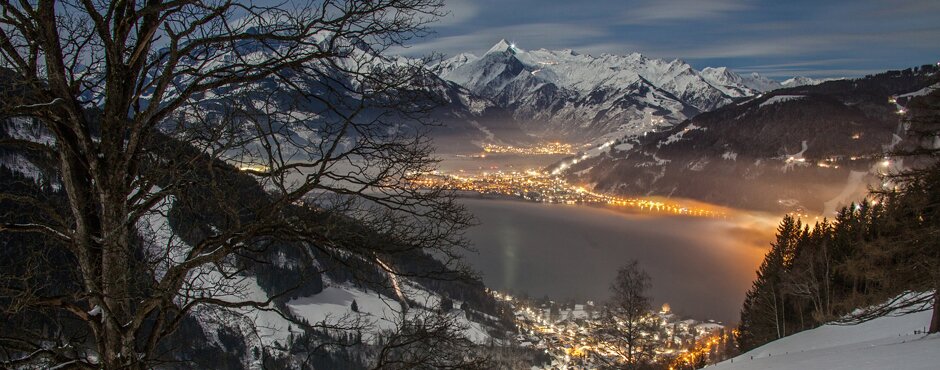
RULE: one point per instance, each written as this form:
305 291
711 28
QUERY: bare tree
153 106
628 321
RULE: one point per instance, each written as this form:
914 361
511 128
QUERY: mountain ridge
565 93
811 147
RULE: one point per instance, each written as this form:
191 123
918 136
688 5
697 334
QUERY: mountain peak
502 46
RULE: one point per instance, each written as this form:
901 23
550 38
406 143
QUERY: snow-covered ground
264 326
883 343
383 313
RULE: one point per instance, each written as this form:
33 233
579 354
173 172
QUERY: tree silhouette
156 106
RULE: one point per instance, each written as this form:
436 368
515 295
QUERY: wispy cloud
458 12
798 45
534 36
806 63
678 10
778 37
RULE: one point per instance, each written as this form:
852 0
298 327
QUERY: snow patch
922 92
25 167
781 99
679 135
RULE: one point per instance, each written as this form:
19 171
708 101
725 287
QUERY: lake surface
701 267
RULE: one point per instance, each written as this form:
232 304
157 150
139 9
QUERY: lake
702 267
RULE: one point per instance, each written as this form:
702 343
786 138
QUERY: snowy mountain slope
336 84
728 81
324 298
510 94
894 342
754 83
760 83
241 335
447 65
563 93
803 81
801 146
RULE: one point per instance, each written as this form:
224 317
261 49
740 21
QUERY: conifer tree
763 317
903 256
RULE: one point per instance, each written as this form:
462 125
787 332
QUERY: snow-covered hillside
884 343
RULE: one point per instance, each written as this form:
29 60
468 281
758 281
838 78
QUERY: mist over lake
702 267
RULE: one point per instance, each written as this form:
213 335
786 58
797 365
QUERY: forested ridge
877 257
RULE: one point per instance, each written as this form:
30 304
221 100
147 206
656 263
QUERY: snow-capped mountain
750 84
564 93
730 82
753 83
552 93
511 94
804 81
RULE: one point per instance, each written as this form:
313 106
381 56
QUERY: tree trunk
776 313
935 319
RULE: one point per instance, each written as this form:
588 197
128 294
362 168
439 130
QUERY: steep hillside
305 281
808 146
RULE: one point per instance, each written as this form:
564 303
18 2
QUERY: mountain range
565 94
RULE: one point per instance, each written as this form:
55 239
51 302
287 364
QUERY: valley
539 235
430 184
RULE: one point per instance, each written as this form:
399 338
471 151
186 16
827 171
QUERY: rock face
813 146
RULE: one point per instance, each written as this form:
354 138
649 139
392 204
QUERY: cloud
806 63
826 38
677 10
527 36
457 12
903 8
799 45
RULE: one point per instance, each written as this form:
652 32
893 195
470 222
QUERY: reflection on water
702 267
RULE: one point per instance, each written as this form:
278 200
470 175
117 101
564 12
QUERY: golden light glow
543 187
540 149
253 167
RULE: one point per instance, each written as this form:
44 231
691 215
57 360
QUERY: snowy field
884 343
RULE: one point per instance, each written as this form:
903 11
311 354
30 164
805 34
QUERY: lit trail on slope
394 279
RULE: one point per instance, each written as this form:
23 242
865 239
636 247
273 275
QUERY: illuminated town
542 187
539 149
569 335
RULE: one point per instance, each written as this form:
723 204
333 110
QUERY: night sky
779 39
